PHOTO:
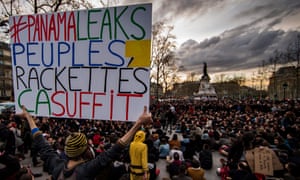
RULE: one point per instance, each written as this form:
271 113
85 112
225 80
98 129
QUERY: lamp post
284 85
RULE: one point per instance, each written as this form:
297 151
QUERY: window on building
3 89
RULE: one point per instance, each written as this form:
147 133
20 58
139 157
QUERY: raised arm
144 119
30 120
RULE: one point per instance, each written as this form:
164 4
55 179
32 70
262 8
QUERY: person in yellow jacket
138 152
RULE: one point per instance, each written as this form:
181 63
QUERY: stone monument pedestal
206 91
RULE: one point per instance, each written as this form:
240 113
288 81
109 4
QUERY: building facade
6 83
285 84
156 92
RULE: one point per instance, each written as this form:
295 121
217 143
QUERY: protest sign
263 160
88 64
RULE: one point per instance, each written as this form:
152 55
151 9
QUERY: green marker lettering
138 25
38 101
117 22
92 22
106 21
78 29
19 99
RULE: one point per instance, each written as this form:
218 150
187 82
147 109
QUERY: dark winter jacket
84 171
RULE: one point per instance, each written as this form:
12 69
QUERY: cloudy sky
230 35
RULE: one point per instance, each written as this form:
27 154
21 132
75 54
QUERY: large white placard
88 64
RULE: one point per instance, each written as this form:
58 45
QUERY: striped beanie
75 145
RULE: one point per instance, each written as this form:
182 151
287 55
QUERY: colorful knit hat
75 145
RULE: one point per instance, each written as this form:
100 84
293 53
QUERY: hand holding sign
145 118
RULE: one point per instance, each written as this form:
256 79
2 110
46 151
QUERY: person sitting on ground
156 140
173 167
11 168
164 148
205 157
174 142
80 164
173 151
242 172
10 164
153 151
205 136
184 142
195 171
182 174
292 171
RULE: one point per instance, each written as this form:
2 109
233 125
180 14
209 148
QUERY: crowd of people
204 127
233 128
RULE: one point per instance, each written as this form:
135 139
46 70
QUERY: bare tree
15 7
273 62
59 5
220 78
262 75
239 79
293 52
168 70
163 45
8 8
191 76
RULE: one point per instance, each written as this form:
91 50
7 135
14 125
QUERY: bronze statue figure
205 69
205 75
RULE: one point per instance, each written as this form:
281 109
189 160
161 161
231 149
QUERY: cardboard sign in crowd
263 160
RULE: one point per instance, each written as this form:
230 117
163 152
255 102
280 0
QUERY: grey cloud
189 45
269 10
275 22
238 48
209 42
234 52
174 9
278 7
264 40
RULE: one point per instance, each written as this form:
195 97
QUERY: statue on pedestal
205 75
206 91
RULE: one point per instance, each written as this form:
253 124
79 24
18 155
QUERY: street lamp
284 85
